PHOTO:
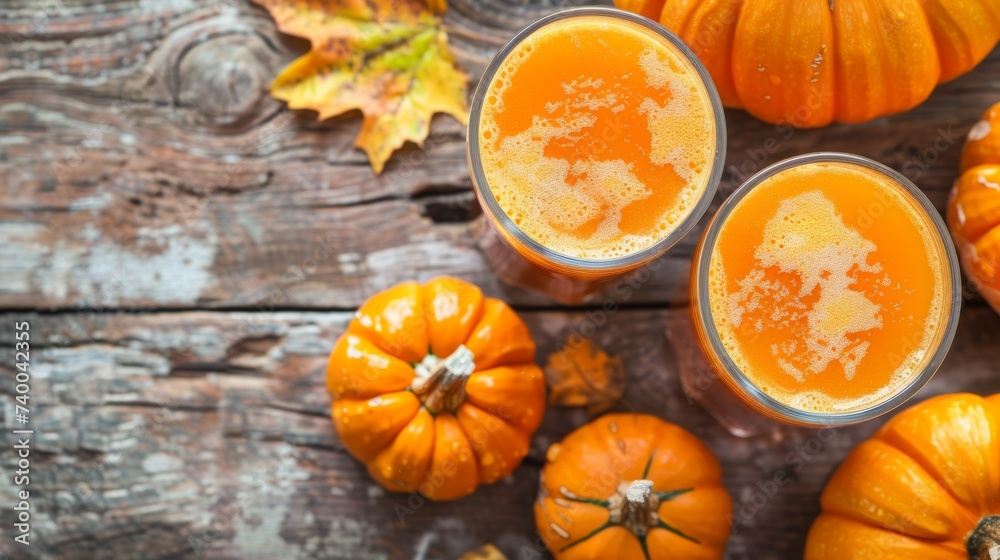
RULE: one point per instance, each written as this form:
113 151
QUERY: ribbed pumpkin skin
589 466
806 63
382 421
916 488
974 208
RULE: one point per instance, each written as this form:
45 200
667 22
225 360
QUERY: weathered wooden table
186 250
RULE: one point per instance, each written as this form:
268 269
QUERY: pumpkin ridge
338 411
434 491
912 453
969 176
940 41
986 233
957 430
503 419
942 543
385 477
514 429
682 25
919 458
732 39
452 310
495 388
477 460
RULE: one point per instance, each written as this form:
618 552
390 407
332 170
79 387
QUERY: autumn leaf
485 552
583 374
387 58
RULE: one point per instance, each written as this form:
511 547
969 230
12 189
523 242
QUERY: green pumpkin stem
983 542
443 388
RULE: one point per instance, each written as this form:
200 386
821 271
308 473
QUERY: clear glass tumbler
729 393
520 260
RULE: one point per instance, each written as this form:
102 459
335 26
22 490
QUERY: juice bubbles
829 286
594 142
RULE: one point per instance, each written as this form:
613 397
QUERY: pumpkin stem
637 509
443 387
984 541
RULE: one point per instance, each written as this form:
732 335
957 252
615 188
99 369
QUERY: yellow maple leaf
387 58
581 373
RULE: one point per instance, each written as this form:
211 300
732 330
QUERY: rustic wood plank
170 432
147 167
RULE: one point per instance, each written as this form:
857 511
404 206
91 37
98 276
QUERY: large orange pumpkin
631 486
974 208
926 485
435 388
806 63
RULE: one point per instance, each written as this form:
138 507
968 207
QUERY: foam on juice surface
816 299
807 236
575 178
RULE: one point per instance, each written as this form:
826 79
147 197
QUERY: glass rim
739 381
499 217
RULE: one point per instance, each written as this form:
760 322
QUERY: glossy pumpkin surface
418 423
926 485
632 486
974 208
806 63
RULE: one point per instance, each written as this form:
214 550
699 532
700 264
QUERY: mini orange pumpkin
435 388
632 486
806 63
926 485
974 207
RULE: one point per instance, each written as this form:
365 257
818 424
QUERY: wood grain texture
176 433
146 173
146 166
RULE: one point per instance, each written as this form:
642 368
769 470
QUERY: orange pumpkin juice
828 287
596 139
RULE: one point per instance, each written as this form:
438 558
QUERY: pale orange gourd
631 486
806 63
974 208
435 388
926 485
